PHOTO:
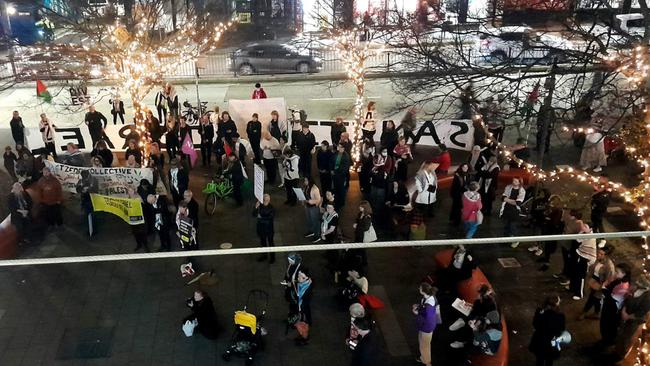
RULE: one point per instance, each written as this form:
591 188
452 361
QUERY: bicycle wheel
210 204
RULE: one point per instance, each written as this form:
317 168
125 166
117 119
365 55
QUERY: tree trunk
174 11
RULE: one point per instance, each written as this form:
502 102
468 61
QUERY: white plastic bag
188 327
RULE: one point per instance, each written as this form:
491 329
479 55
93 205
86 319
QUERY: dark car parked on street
272 58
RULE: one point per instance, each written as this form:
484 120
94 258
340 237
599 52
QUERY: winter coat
471 206
548 324
265 216
254 130
96 123
51 190
17 129
336 131
426 186
426 319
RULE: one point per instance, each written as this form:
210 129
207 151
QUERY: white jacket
47 131
290 166
423 180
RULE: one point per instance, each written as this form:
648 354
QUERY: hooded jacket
471 205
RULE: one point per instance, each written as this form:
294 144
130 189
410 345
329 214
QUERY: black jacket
336 132
229 128
548 324
254 131
344 166
369 351
459 186
162 209
204 313
389 139
106 155
96 122
183 180
265 216
305 143
120 107
193 212
324 159
17 129
135 152
206 132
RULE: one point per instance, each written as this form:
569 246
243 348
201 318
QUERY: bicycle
219 188
191 113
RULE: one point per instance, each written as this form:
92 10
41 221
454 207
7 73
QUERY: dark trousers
206 153
510 227
289 185
236 192
577 277
340 190
266 240
255 144
121 115
141 239
456 210
171 151
304 165
53 214
271 166
162 115
543 360
487 199
49 146
592 302
549 248
597 221
325 182
165 241
610 319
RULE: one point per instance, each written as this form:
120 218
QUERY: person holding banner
133 150
85 186
265 214
187 232
162 220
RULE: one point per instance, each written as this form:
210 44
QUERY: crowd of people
399 194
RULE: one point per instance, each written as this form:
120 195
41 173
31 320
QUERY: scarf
302 288
159 222
327 218
174 174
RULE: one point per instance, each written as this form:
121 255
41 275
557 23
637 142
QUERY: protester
131 162
488 179
117 109
380 174
443 160
51 194
48 132
368 350
472 215
133 150
408 125
204 314
270 148
24 166
20 208
172 99
305 143
549 323
513 197
389 137
615 290
340 176
178 180
599 203
593 152
186 228
9 160
368 127
584 256
184 131
162 219
290 175
300 303
238 148
254 133
277 129
265 214
160 102
336 130
364 232
228 127
459 186
403 157
259 92
426 320
152 125
323 162
192 207
171 138
96 123
598 274
86 186
346 143
399 202
329 224
157 163
72 156
426 186
237 174
476 160
312 203
17 128
101 149
634 316
140 231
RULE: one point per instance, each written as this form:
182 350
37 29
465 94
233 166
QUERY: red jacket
444 161
51 190
471 205
259 94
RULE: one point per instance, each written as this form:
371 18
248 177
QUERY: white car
521 44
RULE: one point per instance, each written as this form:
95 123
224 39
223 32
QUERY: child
10 162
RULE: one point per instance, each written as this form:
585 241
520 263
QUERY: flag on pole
41 92
188 149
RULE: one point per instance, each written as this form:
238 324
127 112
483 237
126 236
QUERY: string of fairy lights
137 60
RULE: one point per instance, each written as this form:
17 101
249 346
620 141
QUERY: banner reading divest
112 181
241 111
128 209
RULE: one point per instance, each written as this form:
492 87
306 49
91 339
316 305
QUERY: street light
11 10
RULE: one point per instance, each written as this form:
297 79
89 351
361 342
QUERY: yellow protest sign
128 209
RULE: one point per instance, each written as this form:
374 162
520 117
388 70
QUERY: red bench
468 291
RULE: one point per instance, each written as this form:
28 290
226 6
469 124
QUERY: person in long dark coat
204 313
549 323
265 214
162 220
458 187
488 179
254 133
17 128
20 207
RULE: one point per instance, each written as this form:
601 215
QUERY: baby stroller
249 333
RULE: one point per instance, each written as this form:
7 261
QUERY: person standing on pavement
192 207
599 203
471 210
458 187
277 129
133 150
162 220
47 132
117 109
300 303
513 197
291 175
51 194
265 214
426 186
585 255
86 186
615 290
101 150
329 224
389 137
254 132
369 129
305 143
270 147
17 128
237 175
403 157
488 179
323 161
141 231
9 160
443 160
549 323
336 130
347 144
312 209
634 316
368 350
598 274
161 105
206 131
178 179
96 123
340 167
20 207
229 128
152 125
426 320
259 92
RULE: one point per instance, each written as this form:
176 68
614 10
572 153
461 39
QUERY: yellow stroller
249 332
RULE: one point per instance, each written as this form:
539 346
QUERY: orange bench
468 291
